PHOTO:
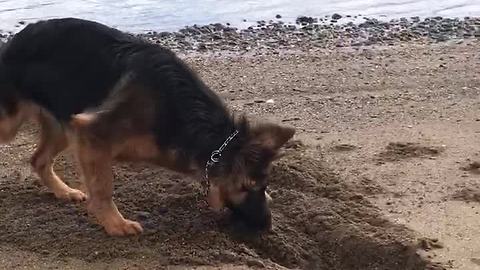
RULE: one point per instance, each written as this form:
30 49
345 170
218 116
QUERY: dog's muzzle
254 211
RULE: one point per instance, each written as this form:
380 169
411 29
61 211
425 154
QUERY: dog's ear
272 136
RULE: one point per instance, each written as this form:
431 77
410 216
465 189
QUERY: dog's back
68 66
65 65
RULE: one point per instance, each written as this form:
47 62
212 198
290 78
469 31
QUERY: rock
278 16
179 35
305 20
293 28
336 16
202 47
142 215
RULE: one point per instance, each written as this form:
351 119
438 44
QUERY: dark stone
142 215
278 16
164 34
336 16
291 27
305 20
179 35
202 47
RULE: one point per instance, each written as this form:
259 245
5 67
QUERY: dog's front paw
123 227
71 194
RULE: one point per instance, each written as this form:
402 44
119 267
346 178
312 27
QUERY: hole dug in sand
399 151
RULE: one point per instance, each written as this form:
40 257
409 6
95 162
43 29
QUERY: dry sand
384 173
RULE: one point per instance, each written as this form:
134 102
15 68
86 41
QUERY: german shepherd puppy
115 97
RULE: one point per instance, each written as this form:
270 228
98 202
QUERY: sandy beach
384 171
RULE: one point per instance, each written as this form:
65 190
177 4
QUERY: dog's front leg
96 165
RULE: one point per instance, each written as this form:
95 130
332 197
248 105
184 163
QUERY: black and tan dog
113 96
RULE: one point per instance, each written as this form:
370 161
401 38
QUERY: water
167 15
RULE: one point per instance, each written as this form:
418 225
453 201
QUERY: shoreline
310 33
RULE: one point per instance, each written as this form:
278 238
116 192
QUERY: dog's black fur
71 66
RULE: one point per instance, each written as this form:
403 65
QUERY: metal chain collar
215 158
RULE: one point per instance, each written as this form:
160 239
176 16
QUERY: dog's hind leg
53 140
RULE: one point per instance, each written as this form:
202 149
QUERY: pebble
142 215
336 16
306 20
